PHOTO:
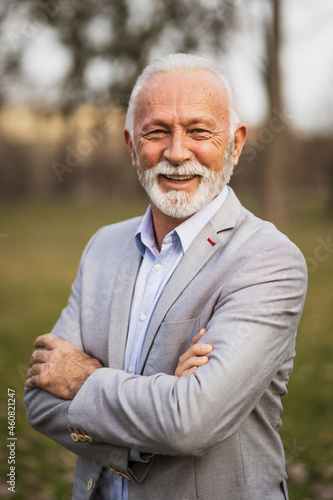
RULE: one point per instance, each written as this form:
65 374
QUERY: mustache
188 168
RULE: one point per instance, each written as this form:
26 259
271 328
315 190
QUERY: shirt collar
187 231
145 235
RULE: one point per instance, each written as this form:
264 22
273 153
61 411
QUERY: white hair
181 62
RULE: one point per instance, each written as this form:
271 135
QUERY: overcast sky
306 61
306 58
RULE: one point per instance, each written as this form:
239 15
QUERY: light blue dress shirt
155 271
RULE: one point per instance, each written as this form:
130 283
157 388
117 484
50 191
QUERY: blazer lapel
121 304
201 250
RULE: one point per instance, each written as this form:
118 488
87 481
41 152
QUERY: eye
158 131
200 133
156 134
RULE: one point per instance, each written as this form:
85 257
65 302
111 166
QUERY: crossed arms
61 369
252 330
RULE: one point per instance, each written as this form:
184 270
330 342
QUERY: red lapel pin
211 242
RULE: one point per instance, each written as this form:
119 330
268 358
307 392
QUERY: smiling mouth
179 178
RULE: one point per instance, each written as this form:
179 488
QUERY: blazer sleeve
253 329
48 414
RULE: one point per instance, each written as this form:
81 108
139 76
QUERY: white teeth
179 177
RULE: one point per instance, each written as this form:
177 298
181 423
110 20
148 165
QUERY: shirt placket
154 282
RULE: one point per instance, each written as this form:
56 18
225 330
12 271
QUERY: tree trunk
275 134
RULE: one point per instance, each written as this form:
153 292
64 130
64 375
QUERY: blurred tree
271 147
9 59
274 179
122 36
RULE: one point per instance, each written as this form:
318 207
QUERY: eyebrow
201 119
193 121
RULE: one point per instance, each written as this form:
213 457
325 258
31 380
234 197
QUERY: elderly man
109 383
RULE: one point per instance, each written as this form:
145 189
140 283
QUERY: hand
194 357
62 369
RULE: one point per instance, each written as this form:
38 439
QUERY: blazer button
81 438
75 437
88 438
90 484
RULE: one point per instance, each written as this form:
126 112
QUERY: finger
33 382
188 372
191 363
199 336
200 349
195 350
191 352
29 383
48 340
33 370
39 356
194 361
33 376
37 376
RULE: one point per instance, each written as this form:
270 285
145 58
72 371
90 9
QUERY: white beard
179 204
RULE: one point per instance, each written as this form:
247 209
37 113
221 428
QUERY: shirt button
143 317
131 369
158 267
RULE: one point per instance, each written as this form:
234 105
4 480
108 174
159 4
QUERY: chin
180 204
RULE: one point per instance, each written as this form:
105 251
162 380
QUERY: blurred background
66 71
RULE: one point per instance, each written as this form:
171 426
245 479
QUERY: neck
163 224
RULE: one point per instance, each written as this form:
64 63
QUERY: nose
177 150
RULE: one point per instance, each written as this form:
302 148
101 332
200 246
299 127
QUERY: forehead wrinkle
206 94
185 121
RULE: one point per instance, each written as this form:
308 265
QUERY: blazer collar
121 303
228 214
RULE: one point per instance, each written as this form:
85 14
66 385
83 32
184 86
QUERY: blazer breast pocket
171 341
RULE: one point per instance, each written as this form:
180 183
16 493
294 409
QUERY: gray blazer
212 435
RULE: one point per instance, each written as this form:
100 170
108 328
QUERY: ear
239 141
129 146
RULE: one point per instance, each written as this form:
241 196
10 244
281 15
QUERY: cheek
211 156
150 155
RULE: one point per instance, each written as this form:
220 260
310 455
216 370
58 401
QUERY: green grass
38 262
